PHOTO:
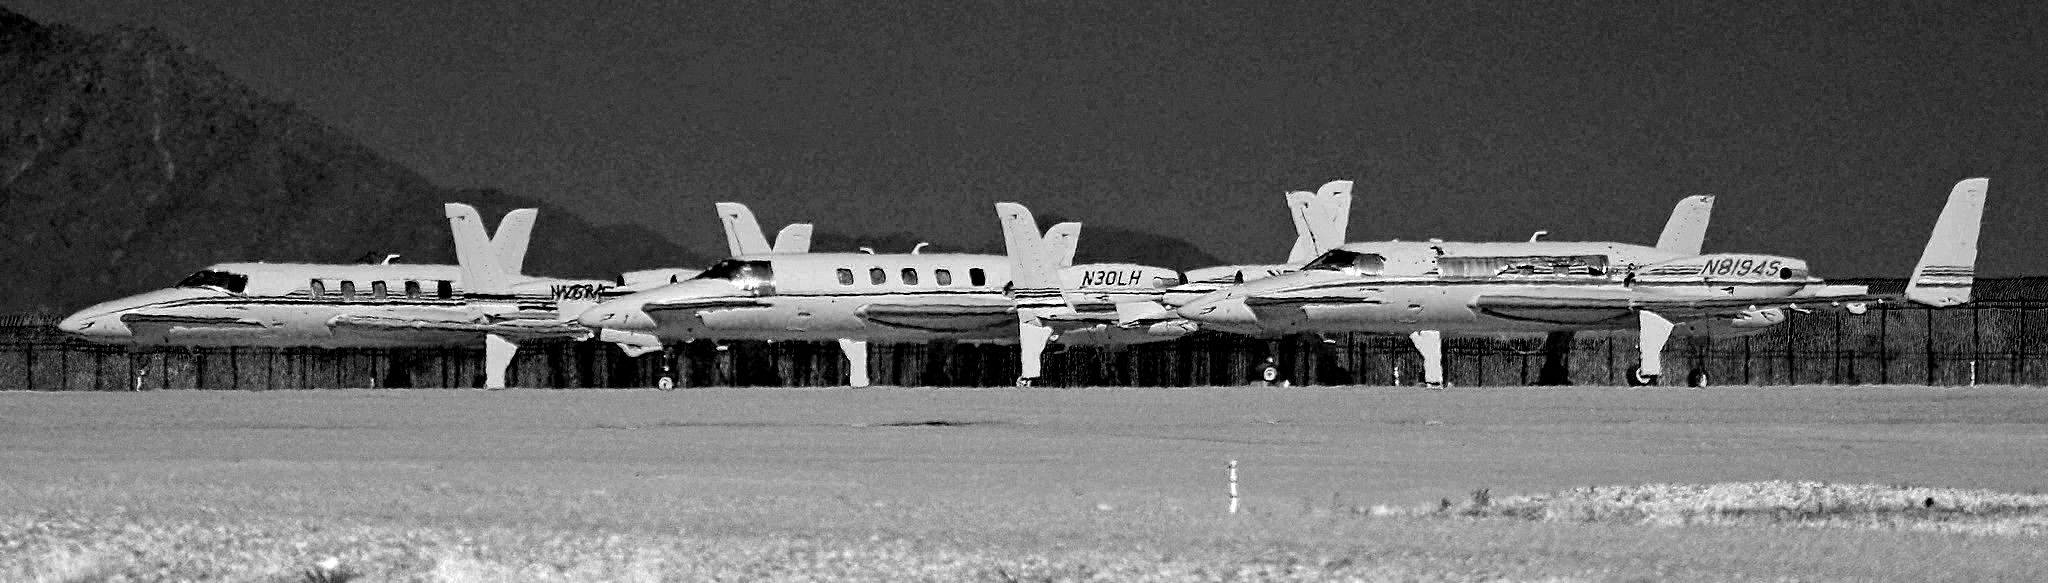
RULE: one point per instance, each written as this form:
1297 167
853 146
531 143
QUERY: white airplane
1046 313
1427 289
1320 221
743 238
483 300
918 297
1123 304
851 298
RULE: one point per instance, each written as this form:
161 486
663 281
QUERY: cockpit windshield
740 271
1341 260
226 280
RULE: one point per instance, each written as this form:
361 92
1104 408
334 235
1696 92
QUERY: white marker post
1233 486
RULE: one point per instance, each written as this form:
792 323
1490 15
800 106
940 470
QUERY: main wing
516 330
1621 306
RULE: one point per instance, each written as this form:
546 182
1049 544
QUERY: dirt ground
974 478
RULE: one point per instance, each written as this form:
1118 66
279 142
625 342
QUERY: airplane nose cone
94 325
76 324
617 316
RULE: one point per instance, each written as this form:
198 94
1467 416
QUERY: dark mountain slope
126 162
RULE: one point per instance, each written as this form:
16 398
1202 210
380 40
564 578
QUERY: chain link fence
1985 343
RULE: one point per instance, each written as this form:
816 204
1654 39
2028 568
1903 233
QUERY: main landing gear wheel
1697 378
1636 378
1025 381
1433 386
664 383
1269 374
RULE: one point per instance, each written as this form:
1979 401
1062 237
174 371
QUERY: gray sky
1830 130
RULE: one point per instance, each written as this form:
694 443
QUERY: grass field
1000 485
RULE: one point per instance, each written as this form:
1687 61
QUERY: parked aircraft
1144 313
1320 221
851 298
918 297
1426 289
1046 313
483 300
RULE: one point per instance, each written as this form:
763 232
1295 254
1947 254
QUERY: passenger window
445 289
377 290
412 289
348 291
909 276
319 289
876 275
845 276
943 277
975 277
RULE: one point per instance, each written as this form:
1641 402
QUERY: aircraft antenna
1538 236
919 247
868 250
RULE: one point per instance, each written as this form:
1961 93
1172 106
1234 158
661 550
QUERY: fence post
1930 346
1884 351
2019 352
1745 360
1836 346
1976 340
1610 357
1791 352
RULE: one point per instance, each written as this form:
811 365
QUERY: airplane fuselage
333 306
1494 289
875 297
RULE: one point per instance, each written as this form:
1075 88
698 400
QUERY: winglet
1034 278
481 269
795 238
1948 267
1320 220
514 233
1065 239
1686 232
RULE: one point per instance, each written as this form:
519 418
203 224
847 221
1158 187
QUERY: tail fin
795 238
1034 278
1034 258
742 232
1948 267
1299 206
1320 220
480 260
1686 232
511 239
